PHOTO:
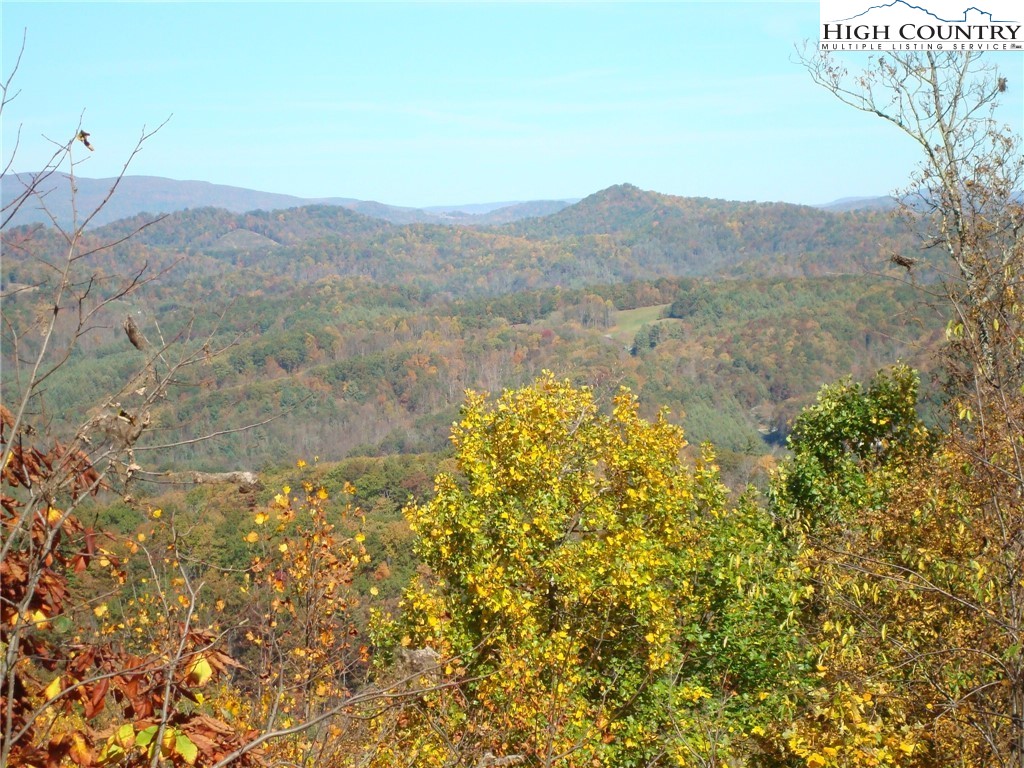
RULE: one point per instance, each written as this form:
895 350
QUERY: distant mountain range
154 194
886 203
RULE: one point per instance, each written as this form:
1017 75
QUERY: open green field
628 321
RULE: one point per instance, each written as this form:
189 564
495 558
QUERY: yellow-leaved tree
588 598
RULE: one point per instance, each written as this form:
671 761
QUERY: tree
904 540
843 444
923 577
851 453
49 664
598 601
965 198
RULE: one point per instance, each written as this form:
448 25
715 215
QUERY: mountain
631 213
209 229
520 211
469 209
615 209
620 207
618 235
138 194
885 203
155 195
665 234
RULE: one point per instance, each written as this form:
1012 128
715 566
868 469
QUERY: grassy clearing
628 321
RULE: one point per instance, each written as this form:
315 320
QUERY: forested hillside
361 335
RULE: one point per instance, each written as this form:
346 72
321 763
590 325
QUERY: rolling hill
366 332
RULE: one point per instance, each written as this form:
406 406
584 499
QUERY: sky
440 104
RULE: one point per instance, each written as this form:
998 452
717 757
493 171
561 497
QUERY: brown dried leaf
94 697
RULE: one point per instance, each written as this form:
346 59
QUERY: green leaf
146 736
112 754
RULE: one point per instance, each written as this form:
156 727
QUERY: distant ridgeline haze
153 194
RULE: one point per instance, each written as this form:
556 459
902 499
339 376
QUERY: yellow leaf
80 752
816 761
167 744
53 689
199 672
125 736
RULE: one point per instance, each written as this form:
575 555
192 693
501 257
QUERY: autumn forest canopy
638 481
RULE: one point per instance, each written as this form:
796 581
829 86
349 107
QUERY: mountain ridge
160 195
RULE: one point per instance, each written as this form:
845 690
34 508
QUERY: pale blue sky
429 104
